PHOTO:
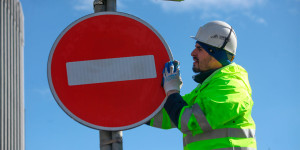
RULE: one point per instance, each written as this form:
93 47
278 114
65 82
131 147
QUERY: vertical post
109 140
111 5
118 140
105 140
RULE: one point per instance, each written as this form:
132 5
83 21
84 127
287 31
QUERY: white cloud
206 15
214 8
255 18
261 20
205 8
208 5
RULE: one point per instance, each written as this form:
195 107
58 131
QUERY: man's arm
219 103
174 105
172 83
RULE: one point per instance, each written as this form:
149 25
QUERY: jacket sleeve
162 121
168 117
224 100
220 102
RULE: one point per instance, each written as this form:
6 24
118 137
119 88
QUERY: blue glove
171 76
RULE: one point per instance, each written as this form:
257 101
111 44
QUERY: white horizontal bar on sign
111 70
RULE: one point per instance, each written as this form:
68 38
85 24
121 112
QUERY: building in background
11 76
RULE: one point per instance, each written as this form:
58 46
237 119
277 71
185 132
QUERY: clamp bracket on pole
99 5
117 140
98 2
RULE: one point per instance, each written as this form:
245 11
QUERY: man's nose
193 52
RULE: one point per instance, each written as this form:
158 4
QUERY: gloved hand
171 77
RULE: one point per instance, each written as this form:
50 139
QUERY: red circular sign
105 71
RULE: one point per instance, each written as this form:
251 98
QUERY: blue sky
268 48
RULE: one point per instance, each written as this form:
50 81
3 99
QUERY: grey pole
105 140
109 140
117 137
111 5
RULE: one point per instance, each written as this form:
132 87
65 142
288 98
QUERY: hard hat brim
193 37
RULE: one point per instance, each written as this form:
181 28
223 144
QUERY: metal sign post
109 140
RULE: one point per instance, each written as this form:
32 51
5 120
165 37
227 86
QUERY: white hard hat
218 34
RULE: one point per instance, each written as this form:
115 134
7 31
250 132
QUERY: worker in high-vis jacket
217 113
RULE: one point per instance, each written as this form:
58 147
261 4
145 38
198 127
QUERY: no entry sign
105 71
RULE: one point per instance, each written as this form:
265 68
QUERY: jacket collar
199 78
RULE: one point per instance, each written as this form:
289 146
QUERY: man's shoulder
230 71
232 76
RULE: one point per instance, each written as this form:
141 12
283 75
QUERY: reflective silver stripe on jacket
185 120
237 148
158 120
219 133
200 117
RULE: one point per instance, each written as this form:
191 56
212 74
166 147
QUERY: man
217 113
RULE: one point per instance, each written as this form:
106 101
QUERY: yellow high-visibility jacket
218 113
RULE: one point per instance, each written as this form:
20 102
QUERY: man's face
202 60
